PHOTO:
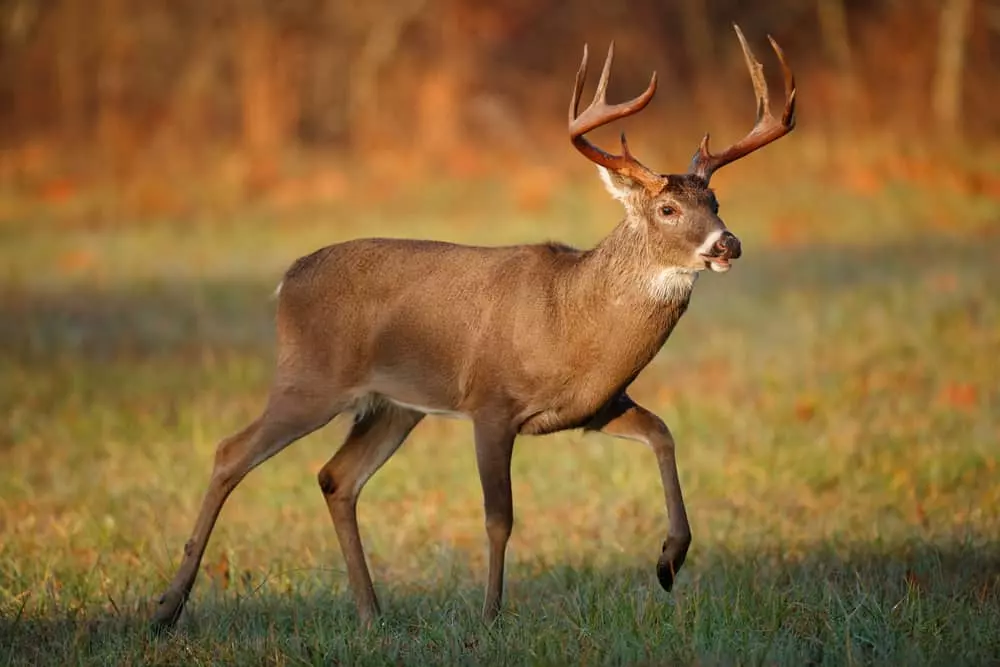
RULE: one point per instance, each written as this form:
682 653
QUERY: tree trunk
947 95
269 94
70 78
112 122
383 32
837 44
701 53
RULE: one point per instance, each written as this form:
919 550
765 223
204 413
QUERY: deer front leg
623 418
494 447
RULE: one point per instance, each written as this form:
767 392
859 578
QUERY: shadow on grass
914 604
157 318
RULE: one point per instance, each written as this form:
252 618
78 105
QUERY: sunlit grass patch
835 406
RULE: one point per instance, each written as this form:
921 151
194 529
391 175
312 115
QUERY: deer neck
623 272
622 305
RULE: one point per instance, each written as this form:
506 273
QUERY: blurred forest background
162 162
173 108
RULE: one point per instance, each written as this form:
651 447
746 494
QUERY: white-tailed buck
526 339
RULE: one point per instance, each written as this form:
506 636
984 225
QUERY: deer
519 340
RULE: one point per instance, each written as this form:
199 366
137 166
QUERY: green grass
835 407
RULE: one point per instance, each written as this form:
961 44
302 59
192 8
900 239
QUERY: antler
600 113
765 130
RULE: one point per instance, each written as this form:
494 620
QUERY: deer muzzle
726 247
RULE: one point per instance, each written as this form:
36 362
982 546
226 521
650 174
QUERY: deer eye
667 211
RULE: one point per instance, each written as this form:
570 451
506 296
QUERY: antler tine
601 93
581 76
756 75
601 113
788 116
766 128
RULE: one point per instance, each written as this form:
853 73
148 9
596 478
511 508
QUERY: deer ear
620 187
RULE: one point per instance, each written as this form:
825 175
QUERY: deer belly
441 412
567 411
416 391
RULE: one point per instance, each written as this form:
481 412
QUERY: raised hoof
674 553
168 610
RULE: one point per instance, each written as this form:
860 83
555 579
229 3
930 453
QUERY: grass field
835 401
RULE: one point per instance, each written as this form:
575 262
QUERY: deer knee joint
660 436
499 526
326 482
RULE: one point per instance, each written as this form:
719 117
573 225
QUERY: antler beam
601 113
765 130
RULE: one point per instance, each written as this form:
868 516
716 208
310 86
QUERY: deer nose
729 245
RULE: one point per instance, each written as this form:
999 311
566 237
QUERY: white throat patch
672 284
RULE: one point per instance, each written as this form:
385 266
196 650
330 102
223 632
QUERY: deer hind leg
375 436
289 415
494 448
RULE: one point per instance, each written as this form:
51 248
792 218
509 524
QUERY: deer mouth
721 251
718 263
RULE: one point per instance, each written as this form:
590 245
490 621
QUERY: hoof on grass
673 555
168 610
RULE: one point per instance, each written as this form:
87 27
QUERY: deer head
678 213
